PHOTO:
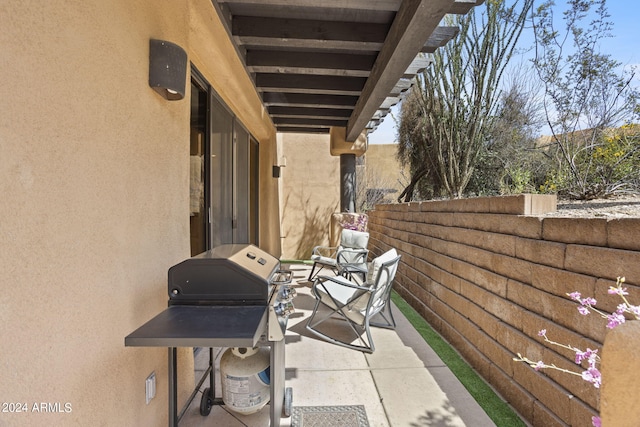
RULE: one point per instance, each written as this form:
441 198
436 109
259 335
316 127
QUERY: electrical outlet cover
150 387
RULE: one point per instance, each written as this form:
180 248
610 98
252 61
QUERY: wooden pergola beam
305 29
308 112
303 83
414 23
320 63
309 100
388 5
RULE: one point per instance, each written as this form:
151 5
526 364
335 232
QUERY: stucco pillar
621 376
347 183
347 150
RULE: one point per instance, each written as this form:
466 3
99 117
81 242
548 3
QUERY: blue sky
623 47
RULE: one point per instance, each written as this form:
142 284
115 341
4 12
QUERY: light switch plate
150 387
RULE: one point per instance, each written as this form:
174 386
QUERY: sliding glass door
221 174
229 173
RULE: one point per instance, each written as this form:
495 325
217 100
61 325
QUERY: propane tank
245 379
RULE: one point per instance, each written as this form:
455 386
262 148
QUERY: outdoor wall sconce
277 168
167 69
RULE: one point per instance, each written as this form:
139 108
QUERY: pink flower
539 365
589 301
615 319
596 421
575 296
583 310
588 354
542 332
618 291
593 376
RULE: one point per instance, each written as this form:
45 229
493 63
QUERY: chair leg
367 329
387 314
367 346
311 276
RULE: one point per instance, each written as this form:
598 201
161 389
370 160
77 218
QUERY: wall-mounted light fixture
277 168
167 69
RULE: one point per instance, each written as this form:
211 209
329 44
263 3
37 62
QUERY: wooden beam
414 23
440 36
297 121
305 29
418 65
401 86
388 5
288 111
389 102
320 63
303 83
309 44
461 7
303 129
309 100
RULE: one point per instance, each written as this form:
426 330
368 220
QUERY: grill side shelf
202 326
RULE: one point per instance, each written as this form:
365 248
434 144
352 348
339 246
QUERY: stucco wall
94 183
310 192
384 171
488 278
621 371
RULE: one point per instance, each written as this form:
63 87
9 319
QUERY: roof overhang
319 64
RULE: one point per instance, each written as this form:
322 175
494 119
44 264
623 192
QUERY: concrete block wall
488 274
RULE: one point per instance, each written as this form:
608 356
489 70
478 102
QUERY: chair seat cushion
354 299
323 260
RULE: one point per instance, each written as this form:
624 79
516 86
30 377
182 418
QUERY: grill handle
282 277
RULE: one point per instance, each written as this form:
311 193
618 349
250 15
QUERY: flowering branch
591 374
355 222
617 317
587 305
541 365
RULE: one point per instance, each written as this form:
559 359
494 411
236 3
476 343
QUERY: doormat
334 416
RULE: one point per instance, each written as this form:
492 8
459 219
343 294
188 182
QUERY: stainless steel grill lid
227 274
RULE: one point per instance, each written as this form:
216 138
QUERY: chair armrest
340 280
324 251
356 256
355 271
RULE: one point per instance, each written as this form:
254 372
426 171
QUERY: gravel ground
614 207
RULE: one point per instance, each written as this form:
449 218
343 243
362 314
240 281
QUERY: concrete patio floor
402 384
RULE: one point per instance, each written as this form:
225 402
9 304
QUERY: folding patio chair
355 303
351 250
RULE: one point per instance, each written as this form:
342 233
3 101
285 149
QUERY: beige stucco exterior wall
310 185
621 376
384 171
94 182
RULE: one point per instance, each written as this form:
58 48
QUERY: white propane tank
245 379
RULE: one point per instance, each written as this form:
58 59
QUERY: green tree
446 119
584 95
510 161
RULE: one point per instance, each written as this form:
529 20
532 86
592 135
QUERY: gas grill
230 296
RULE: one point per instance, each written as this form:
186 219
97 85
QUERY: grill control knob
287 293
284 309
